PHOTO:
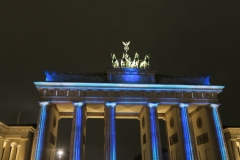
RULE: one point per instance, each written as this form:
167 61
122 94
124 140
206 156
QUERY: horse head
114 58
147 57
136 56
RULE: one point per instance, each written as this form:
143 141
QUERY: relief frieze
159 94
147 94
83 93
127 93
197 95
215 95
61 92
51 92
187 95
73 93
116 94
207 95
178 95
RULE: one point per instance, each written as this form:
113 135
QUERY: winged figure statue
126 44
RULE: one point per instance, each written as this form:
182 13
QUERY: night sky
198 37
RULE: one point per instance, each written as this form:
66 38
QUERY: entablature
133 93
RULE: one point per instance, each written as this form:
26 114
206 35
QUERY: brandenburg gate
131 90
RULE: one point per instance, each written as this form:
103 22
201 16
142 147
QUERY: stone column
77 146
47 131
13 151
18 152
1 147
6 152
21 151
41 129
110 131
219 133
187 138
154 132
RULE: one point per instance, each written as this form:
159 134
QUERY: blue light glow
186 132
111 140
41 131
77 152
150 105
111 104
49 77
117 86
154 134
218 129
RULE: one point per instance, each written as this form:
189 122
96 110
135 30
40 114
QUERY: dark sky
199 37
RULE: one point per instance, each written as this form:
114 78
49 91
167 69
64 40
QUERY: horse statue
135 61
125 61
145 63
115 62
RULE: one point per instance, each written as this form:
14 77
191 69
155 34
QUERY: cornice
122 86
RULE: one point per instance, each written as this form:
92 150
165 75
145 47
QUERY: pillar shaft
18 152
13 151
1 147
110 131
77 135
21 149
188 144
6 152
219 133
156 148
41 131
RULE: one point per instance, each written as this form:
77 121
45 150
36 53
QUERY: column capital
18 146
13 144
111 104
78 104
7 140
213 105
183 105
44 103
150 105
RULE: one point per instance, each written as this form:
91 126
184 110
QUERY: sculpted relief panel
127 93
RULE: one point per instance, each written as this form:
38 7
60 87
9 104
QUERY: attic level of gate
126 75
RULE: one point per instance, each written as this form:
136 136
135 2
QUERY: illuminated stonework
16 141
133 93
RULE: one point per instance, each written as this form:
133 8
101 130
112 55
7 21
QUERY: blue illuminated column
77 135
156 149
41 129
110 131
187 139
219 133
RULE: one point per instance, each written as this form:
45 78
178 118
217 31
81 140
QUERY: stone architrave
77 147
219 133
110 131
